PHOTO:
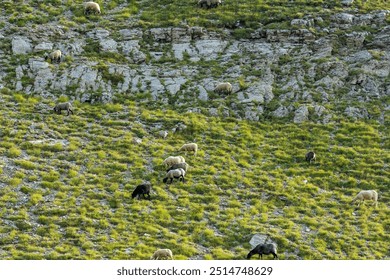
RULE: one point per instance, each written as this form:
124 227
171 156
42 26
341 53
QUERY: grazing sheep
209 3
310 156
171 160
90 7
182 165
366 195
190 147
223 88
175 173
63 106
163 134
162 254
54 56
195 31
265 249
142 190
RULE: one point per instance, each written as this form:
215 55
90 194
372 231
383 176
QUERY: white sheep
54 56
162 254
190 147
223 88
175 174
163 134
63 106
171 160
366 195
90 7
209 3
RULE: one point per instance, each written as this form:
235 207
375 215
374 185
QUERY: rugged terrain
305 76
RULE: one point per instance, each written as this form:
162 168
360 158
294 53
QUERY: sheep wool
366 195
63 106
171 160
162 254
223 88
175 174
54 56
265 249
143 189
182 165
190 147
91 7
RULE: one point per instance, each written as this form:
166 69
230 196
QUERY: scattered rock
290 67
21 45
301 114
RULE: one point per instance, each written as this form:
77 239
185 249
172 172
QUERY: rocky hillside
306 75
312 67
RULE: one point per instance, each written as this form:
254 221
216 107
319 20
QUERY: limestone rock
21 45
301 114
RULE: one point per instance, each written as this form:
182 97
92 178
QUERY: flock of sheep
177 170
177 167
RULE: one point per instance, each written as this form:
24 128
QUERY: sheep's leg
71 111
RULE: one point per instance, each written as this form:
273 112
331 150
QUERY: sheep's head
250 254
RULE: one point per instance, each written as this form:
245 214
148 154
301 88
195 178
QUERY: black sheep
265 249
142 190
310 156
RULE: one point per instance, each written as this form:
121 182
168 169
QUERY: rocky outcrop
287 73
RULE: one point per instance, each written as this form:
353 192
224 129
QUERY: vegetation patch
247 177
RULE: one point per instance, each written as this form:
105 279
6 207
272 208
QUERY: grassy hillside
66 183
149 13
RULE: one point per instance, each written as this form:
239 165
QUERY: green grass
66 182
71 199
149 13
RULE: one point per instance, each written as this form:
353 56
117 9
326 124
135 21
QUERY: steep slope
307 75
308 61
